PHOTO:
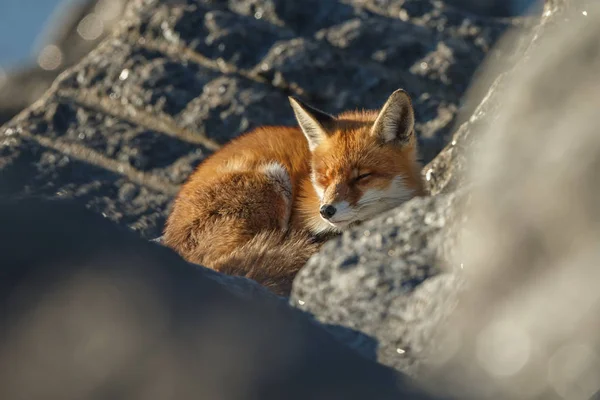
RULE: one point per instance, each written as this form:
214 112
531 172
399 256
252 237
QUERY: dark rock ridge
177 79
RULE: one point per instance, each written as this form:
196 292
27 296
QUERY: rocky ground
122 129
399 277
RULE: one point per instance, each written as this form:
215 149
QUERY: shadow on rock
92 311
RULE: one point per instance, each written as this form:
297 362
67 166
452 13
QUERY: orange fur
241 214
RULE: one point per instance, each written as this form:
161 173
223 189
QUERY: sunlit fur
350 151
267 184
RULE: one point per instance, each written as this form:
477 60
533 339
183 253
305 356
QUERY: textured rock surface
177 79
397 277
379 279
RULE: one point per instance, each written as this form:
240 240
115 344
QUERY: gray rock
373 279
303 18
229 105
40 167
526 327
498 7
396 278
177 79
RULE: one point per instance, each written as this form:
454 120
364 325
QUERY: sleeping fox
264 203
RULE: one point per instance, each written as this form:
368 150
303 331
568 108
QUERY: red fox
265 202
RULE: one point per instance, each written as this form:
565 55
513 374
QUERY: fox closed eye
363 176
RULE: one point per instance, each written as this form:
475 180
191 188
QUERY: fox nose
327 211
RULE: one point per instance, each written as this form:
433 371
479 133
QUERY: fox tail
270 258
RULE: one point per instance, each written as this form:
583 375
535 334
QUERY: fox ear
313 122
396 120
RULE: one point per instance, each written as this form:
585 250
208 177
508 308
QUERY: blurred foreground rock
91 311
527 325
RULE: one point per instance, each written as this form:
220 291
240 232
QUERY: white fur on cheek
318 188
345 215
376 201
398 192
343 212
320 192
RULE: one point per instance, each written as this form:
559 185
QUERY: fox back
264 203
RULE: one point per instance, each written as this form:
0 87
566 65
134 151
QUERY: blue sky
21 21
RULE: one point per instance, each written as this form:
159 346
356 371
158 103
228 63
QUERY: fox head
363 163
